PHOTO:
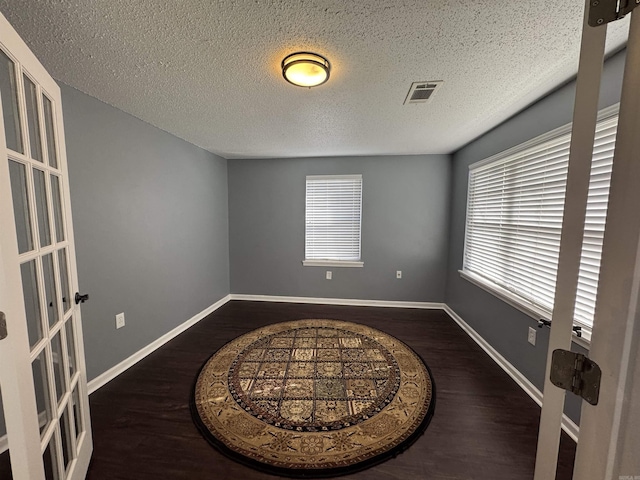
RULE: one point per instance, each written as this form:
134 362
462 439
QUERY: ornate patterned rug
313 398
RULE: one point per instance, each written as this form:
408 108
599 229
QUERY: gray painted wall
504 327
150 216
404 227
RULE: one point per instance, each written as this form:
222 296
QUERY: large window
332 220
514 220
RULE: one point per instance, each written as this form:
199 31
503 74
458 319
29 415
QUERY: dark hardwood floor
5 466
485 426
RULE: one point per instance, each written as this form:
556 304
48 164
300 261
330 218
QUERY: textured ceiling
208 71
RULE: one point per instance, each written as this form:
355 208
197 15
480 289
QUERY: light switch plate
532 336
329 275
120 320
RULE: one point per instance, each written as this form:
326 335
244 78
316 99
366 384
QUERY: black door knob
81 298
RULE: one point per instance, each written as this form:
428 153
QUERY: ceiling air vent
422 92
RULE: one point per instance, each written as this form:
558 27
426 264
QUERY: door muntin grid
37 191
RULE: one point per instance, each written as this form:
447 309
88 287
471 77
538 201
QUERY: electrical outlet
120 320
329 275
399 274
532 336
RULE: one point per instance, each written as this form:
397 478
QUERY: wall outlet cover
329 275
120 320
532 336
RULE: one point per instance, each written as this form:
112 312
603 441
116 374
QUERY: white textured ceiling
208 71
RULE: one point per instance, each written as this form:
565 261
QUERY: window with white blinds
514 219
332 219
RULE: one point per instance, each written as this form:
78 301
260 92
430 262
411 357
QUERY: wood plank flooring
485 426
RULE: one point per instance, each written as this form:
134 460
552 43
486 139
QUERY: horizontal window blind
599 183
514 220
333 217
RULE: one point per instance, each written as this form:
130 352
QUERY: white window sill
332 263
525 307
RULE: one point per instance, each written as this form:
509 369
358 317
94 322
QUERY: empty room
263 239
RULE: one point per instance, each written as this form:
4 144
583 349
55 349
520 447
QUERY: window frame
522 304
334 262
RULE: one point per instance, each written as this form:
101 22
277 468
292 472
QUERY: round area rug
313 398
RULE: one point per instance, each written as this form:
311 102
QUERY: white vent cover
422 92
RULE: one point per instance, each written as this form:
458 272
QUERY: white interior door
585 115
46 429
609 439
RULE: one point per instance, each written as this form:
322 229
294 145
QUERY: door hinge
602 12
576 373
3 326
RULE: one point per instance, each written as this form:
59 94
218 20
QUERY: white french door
609 441
46 430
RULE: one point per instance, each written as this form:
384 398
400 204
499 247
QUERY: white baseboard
116 370
568 425
338 301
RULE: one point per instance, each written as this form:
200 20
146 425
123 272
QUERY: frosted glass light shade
305 69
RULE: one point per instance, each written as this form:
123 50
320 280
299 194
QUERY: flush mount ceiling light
305 69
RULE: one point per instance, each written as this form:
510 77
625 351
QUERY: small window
332 220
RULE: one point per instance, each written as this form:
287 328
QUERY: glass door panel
31 294
20 196
66 435
42 390
10 110
50 289
71 347
57 208
31 100
58 366
50 458
51 137
64 280
42 207
77 413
